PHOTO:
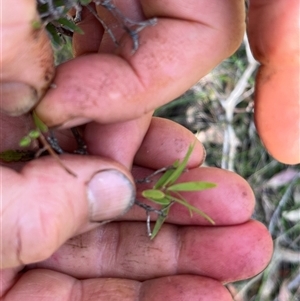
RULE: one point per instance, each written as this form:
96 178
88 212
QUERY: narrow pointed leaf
162 202
163 179
159 222
191 186
54 36
180 168
70 25
39 123
189 206
153 194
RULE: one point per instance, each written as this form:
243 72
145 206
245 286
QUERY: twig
108 30
231 141
147 179
46 146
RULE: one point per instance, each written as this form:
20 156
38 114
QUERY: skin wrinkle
135 71
106 231
179 245
117 243
19 245
76 292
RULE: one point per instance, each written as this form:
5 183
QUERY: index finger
172 56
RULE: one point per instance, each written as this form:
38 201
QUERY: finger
165 142
160 70
39 213
274 36
123 250
27 66
119 141
64 287
230 188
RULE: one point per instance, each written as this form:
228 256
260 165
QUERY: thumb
27 65
43 206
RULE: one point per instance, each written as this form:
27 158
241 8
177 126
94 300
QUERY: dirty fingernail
17 98
110 194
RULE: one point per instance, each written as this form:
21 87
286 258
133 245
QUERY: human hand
188 260
107 85
274 38
79 163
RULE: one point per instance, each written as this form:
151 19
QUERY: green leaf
11 156
36 24
58 3
39 123
164 178
25 141
85 2
153 194
160 221
16 155
54 36
70 25
34 134
191 186
190 207
180 168
162 202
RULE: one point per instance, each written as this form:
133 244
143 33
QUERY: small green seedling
54 15
165 193
41 128
39 133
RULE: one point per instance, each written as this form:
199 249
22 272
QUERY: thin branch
231 141
47 147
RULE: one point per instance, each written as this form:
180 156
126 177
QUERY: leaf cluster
34 134
54 15
166 192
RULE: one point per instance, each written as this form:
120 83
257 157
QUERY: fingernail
110 194
17 98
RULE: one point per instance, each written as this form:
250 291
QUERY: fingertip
110 194
166 142
277 112
45 205
17 98
230 202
